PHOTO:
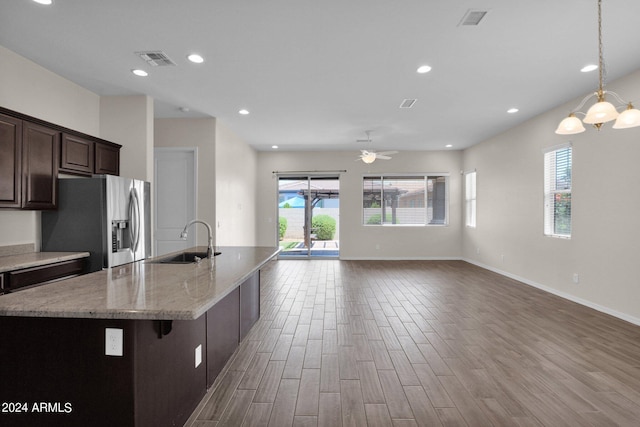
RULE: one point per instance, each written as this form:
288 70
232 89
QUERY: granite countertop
35 259
143 289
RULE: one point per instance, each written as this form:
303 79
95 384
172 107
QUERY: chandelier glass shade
570 125
602 111
628 118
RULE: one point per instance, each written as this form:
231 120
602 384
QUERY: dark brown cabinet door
223 327
10 165
107 159
76 155
40 151
249 304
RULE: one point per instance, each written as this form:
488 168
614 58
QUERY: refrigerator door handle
134 215
138 218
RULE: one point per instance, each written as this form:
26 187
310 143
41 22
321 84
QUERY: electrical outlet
576 278
198 355
113 342
478 251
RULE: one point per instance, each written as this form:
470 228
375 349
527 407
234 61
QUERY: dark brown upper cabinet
107 159
10 161
76 155
33 151
40 154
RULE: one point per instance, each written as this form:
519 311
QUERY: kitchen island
136 345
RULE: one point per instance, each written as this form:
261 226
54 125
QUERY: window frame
552 192
471 199
399 176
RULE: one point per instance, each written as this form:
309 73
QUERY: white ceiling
316 74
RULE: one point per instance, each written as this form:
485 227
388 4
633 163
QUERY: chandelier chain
601 68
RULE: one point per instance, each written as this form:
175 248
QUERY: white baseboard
573 298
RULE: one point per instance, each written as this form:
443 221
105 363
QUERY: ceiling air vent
408 103
156 58
473 17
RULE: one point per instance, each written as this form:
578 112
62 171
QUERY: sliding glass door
308 216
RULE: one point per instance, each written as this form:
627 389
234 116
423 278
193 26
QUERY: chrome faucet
183 235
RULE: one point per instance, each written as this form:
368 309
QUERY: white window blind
557 192
470 198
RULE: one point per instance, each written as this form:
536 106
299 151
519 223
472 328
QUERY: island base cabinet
249 304
54 372
228 322
170 372
223 332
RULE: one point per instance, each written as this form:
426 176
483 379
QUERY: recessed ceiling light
275 147
423 69
587 68
46 2
195 58
512 110
141 73
243 112
448 146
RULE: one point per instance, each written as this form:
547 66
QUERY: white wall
356 240
235 189
128 121
200 133
604 249
30 89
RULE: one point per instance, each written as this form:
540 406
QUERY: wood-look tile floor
423 343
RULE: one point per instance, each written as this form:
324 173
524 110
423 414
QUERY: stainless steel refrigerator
105 215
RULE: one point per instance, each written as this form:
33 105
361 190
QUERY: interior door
174 198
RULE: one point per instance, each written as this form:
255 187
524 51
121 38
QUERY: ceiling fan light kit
602 111
370 156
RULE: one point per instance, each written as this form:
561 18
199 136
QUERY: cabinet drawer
44 273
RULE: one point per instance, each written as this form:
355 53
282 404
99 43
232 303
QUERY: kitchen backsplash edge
24 248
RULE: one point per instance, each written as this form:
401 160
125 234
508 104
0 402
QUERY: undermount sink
185 258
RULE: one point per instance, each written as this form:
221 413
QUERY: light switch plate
113 342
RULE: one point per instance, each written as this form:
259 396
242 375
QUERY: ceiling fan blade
384 153
378 156
363 140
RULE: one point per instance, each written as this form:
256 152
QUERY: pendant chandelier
602 111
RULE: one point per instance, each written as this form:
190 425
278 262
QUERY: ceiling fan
370 156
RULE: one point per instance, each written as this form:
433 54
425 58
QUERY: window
470 198
405 200
557 192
